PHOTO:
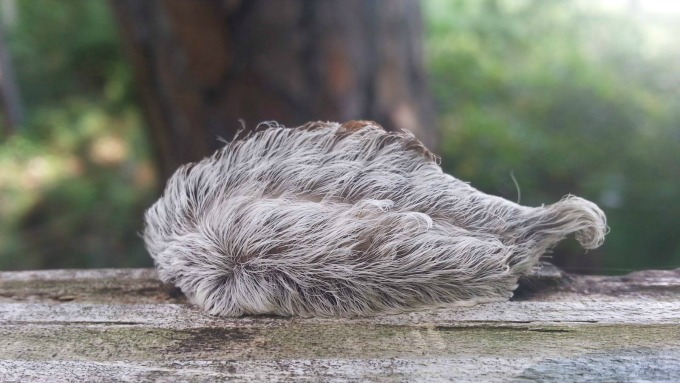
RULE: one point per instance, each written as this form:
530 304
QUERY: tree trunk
205 68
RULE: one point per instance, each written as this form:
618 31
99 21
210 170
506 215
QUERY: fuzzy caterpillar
333 219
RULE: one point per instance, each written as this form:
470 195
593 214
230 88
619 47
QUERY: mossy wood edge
124 325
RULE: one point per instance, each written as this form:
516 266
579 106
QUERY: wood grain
124 325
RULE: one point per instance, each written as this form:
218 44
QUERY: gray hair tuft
345 220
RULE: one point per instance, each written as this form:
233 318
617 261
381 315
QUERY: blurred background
101 101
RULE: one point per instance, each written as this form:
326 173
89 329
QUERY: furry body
345 220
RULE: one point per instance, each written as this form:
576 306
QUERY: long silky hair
334 219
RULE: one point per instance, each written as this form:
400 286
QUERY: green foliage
75 181
571 99
65 49
568 98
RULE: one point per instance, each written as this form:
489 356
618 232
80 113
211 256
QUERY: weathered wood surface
124 325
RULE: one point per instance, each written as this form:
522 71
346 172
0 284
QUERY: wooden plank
124 325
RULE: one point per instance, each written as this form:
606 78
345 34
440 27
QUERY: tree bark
205 68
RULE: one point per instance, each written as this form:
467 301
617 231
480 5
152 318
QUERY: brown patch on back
414 144
404 138
356 125
407 140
